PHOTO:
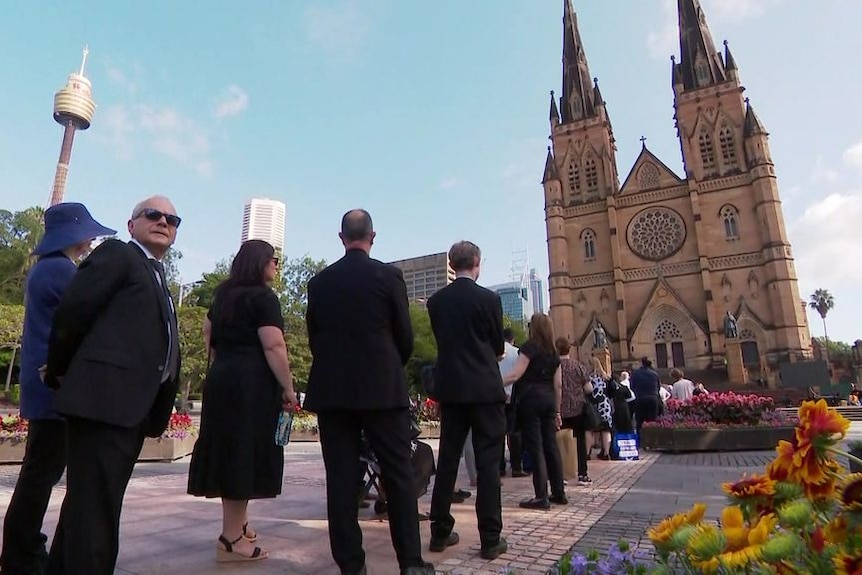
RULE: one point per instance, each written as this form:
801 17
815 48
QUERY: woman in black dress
247 386
537 396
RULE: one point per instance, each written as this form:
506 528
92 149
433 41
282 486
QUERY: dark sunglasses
155 215
275 261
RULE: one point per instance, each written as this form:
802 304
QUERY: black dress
235 456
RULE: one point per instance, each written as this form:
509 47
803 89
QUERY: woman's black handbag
592 419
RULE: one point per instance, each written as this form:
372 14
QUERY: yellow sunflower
744 543
750 487
661 534
851 492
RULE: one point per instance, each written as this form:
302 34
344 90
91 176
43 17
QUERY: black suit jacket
109 342
467 320
360 336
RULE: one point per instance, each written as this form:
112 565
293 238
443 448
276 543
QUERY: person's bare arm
517 371
208 331
272 340
558 395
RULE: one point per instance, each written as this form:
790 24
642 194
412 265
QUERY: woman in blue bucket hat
69 230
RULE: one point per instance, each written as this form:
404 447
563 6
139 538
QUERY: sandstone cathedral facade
659 259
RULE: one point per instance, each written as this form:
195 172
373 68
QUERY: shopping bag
568 453
626 446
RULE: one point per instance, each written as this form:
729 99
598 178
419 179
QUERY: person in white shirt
513 438
683 388
664 393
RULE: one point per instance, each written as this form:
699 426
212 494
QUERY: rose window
656 233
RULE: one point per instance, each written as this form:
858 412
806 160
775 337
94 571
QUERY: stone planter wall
162 449
733 439
12 451
427 431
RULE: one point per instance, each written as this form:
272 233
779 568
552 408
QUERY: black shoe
460 495
559 499
438 545
604 457
503 472
494 551
427 569
519 473
362 571
584 480
535 503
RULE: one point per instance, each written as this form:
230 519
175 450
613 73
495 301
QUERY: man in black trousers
468 325
360 337
113 357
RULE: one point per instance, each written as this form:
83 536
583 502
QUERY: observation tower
73 109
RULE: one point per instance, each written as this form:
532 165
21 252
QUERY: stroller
423 468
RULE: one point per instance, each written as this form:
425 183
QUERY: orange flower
837 530
749 487
848 564
817 419
660 534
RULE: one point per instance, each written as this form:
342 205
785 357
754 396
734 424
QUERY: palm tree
822 301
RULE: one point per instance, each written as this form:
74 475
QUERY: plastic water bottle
282 430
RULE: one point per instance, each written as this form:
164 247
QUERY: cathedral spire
700 64
577 102
550 168
554 114
752 126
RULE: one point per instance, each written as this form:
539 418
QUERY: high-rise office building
537 289
517 300
424 275
263 219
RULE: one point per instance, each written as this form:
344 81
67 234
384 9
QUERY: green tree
193 349
171 263
202 294
517 328
424 348
822 301
20 232
293 294
11 328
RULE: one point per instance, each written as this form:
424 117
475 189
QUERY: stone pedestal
604 356
736 372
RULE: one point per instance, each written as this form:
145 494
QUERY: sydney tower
73 109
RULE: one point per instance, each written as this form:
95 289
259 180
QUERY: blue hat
66 225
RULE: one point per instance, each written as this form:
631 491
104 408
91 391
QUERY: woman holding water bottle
247 387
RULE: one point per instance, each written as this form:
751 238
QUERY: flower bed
177 441
803 515
718 422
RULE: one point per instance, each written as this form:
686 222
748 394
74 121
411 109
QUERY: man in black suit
360 337
468 325
113 357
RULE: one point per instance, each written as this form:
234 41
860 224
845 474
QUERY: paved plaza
164 531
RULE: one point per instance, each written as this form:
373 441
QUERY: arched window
574 178
667 332
730 218
589 238
592 176
728 148
707 153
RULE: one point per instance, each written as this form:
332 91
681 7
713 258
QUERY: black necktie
173 353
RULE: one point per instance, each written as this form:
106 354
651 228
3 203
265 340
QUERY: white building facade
264 219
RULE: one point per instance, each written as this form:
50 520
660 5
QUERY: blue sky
432 115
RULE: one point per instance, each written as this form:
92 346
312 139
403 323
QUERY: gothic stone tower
659 259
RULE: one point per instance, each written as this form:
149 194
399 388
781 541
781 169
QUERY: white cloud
822 173
338 29
177 137
449 183
736 10
118 77
663 39
853 155
232 102
826 238
116 129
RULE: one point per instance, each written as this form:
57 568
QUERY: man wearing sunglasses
113 357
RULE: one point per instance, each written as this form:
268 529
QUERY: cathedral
660 259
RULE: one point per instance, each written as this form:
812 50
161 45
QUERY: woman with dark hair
248 384
538 396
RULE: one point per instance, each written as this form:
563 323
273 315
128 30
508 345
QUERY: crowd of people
101 364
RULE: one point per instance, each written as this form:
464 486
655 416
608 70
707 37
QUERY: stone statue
730 329
600 337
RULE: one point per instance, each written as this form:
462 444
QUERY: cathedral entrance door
661 355
678 354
